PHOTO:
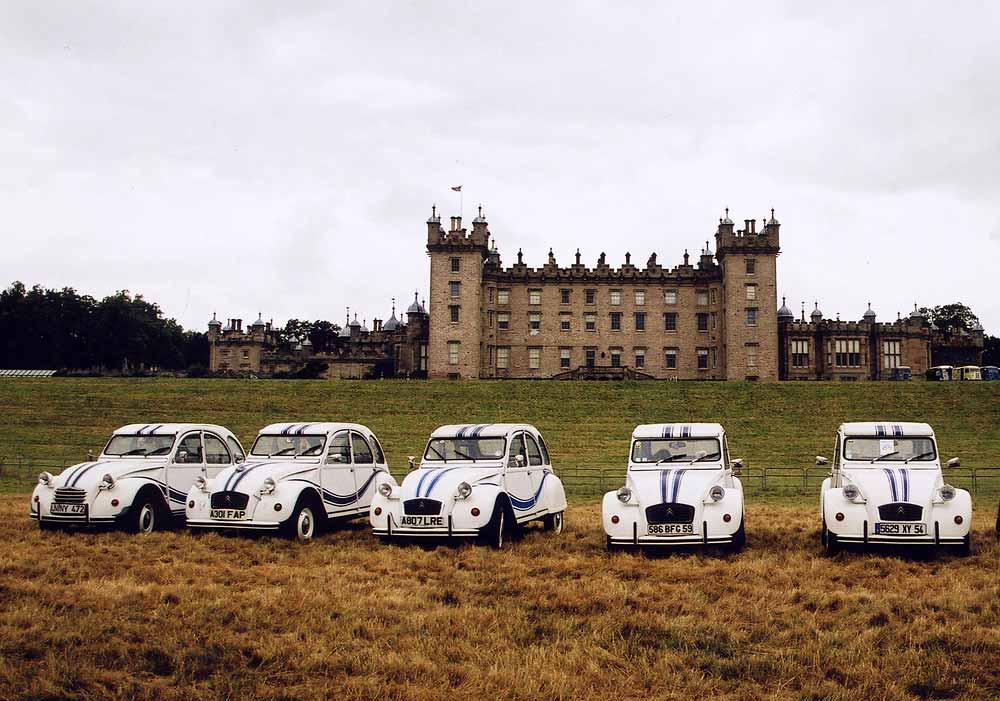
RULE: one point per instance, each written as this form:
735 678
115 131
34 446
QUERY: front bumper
672 541
391 530
248 525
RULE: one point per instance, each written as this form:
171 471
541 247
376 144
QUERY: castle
716 318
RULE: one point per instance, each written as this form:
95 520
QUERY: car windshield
475 449
139 446
875 450
288 446
660 451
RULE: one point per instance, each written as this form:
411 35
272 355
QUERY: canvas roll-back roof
477 430
155 429
307 428
696 430
886 429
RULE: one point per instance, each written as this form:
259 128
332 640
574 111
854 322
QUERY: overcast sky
283 157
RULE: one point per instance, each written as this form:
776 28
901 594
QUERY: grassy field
586 425
182 616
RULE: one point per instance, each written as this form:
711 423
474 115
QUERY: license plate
228 514
900 528
671 529
422 521
69 509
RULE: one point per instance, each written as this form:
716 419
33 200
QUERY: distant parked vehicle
966 372
901 373
680 490
474 481
990 373
140 480
886 487
298 479
939 372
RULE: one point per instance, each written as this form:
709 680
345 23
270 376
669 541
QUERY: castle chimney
433 226
480 232
456 224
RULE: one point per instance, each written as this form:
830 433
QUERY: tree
951 318
991 351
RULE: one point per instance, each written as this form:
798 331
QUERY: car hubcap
557 522
147 519
500 531
305 524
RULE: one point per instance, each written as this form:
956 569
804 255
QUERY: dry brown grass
180 616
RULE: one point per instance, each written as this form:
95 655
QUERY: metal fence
19 473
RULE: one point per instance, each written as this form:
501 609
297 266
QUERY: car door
337 475
364 469
517 481
536 464
217 454
187 463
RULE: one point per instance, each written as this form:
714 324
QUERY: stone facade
713 319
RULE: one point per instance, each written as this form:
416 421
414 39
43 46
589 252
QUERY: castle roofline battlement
904 326
626 273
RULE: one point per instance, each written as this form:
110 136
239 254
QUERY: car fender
553 493
628 515
286 495
855 513
126 490
944 514
484 498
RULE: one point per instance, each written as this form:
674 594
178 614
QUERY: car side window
545 451
234 446
379 455
216 452
362 451
517 448
534 455
189 450
340 449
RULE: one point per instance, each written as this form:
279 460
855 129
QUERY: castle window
892 358
751 316
503 296
534 358
453 310
670 358
456 265
751 293
564 321
640 357
224 352
534 296
535 322
590 322
670 296
616 297
564 356
703 358
670 321
715 320
701 298
503 320
616 357
423 357
246 354
715 359
800 354
640 298
590 296
453 352
752 355
712 292
702 321
751 266
640 321
590 356
489 315
847 352
616 321
491 295
455 289
503 357
564 296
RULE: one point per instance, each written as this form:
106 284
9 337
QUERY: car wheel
146 515
739 537
47 526
554 522
303 524
965 549
830 543
496 532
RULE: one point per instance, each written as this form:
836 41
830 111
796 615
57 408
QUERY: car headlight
851 492
268 486
716 493
624 495
107 482
463 491
947 492
45 478
385 489
201 483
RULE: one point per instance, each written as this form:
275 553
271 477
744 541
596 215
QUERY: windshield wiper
437 452
134 451
460 454
159 451
714 456
917 457
670 458
284 451
883 457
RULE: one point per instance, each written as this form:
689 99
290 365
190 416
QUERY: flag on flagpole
457 188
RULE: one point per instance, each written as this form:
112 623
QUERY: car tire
304 523
47 526
831 545
554 522
147 515
498 530
965 549
739 537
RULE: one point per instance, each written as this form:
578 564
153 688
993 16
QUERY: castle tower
455 345
748 259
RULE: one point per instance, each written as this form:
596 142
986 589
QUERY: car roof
155 429
885 429
695 430
476 430
303 428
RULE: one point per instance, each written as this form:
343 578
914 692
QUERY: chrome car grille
670 512
900 511
70 496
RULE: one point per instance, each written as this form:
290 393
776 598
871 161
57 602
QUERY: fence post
763 479
975 486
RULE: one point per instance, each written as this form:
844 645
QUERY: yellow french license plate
228 514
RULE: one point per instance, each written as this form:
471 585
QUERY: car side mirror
182 456
954 462
410 461
820 460
239 459
737 466
520 461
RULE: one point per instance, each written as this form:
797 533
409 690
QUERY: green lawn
587 425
